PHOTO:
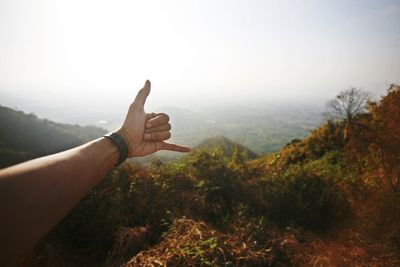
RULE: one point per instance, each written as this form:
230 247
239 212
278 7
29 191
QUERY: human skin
37 194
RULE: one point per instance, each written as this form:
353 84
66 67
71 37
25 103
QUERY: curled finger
161 128
157 136
160 119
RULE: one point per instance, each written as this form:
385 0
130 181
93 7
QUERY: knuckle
164 116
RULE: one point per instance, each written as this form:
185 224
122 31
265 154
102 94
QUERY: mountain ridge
226 145
25 136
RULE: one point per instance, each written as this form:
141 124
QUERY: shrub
304 199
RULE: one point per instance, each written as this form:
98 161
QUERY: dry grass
191 243
128 241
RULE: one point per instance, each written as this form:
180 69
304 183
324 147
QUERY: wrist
111 152
122 132
120 141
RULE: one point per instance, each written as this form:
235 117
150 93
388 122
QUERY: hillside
330 199
227 147
24 136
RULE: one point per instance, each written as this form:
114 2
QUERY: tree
348 104
385 137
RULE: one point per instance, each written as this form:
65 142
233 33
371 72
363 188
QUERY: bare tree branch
348 104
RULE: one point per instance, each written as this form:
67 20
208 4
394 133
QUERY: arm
36 195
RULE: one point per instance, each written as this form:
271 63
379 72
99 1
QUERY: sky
90 55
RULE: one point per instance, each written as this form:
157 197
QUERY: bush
304 199
224 185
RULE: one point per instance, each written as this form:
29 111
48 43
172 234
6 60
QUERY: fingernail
148 125
147 136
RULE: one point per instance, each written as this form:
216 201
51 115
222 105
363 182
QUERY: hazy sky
97 53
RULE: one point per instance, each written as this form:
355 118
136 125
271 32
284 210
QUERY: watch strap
119 141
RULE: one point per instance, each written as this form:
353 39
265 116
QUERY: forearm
36 195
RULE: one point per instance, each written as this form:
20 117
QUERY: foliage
323 140
219 206
206 186
187 243
304 199
385 136
227 147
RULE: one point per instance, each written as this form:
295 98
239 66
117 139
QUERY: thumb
142 95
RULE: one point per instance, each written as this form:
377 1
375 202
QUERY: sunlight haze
95 54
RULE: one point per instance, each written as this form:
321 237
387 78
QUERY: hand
145 133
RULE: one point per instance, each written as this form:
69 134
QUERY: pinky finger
174 147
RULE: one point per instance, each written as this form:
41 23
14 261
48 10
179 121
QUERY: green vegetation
226 146
24 136
331 199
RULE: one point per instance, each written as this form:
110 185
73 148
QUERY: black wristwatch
119 141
